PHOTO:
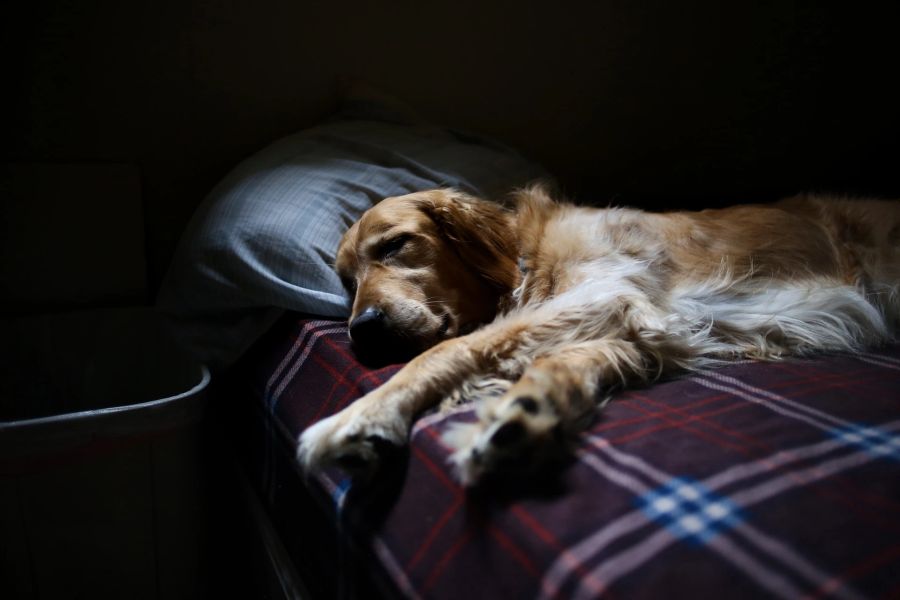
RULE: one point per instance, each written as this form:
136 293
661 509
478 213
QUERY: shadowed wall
653 103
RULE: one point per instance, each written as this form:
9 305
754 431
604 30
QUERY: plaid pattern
777 479
688 510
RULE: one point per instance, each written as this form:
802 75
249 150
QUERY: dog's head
425 267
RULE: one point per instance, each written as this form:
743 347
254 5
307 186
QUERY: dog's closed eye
392 246
349 284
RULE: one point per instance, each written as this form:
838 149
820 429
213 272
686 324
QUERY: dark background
119 116
655 103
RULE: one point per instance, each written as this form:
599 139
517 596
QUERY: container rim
205 378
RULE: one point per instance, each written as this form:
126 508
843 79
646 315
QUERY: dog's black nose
375 340
368 328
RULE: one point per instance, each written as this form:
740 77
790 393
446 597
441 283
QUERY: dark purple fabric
776 479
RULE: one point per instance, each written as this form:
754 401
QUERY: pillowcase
265 238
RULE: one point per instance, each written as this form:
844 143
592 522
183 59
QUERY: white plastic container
100 458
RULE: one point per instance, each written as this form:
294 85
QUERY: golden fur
537 312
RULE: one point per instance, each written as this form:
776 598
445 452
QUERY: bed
755 479
777 479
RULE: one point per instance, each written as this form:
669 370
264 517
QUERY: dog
538 311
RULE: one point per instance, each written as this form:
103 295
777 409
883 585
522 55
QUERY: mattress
759 479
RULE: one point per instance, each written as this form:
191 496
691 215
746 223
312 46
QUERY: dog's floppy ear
482 232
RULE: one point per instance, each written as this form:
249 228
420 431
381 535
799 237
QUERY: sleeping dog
537 312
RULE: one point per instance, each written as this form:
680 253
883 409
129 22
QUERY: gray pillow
264 240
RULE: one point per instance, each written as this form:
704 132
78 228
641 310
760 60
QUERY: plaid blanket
776 479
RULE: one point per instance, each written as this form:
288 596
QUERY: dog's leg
354 437
562 383
554 399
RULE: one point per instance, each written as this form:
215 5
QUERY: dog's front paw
520 430
354 439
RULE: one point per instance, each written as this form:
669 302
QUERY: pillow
265 238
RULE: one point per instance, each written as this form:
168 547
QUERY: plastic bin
100 458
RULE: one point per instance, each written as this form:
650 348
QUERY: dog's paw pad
528 404
355 445
511 433
351 462
508 434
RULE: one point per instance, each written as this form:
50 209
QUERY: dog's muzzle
375 339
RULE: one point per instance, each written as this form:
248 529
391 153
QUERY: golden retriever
537 312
